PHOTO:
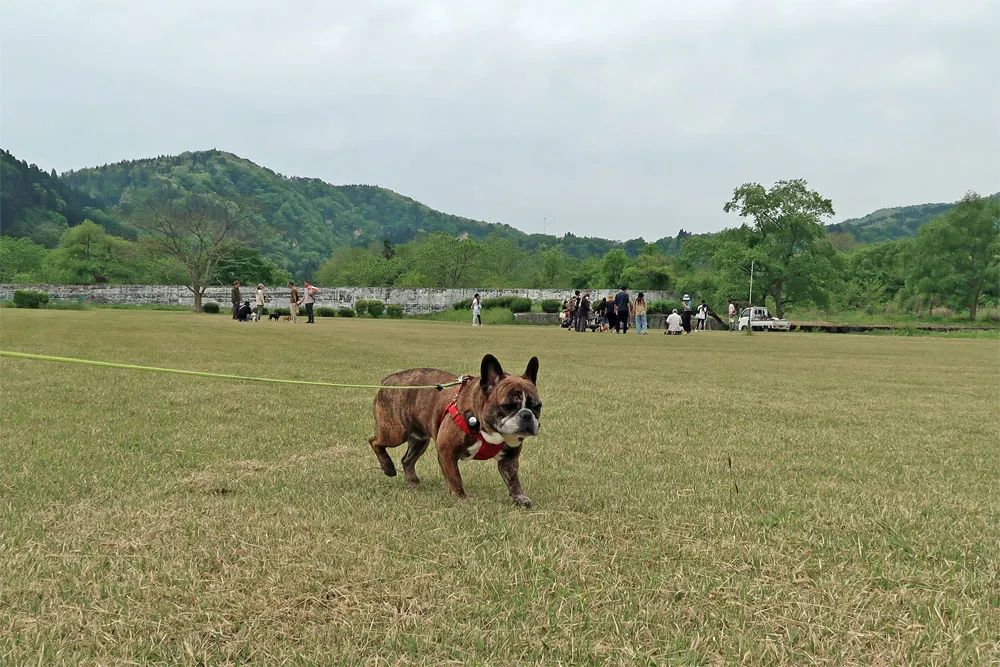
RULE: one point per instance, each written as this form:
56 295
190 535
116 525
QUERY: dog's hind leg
384 460
417 446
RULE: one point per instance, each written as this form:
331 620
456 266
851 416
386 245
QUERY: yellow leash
131 367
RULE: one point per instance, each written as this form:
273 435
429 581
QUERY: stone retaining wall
413 301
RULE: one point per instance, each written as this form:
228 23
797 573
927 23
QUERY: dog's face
512 407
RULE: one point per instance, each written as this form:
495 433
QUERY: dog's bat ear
490 373
531 372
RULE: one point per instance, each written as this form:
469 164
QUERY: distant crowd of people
615 312
242 311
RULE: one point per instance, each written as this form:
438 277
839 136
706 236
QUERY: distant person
235 295
582 312
674 326
309 300
293 302
259 301
686 300
641 327
574 304
477 308
732 315
702 316
622 307
601 314
245 312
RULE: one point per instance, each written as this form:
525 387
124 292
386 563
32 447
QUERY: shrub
664 307
520 304
499 302
326 311
551 305
345 312
394 311
26 298
210 307
376 308
361 307
464 304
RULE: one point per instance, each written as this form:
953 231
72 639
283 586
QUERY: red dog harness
487 450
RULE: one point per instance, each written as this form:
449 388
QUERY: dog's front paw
521 501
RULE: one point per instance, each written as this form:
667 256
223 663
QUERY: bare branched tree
198 231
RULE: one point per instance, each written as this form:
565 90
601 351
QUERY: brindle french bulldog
504 408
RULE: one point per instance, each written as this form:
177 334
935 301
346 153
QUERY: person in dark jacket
582 312
574 306
601 312
235 296
622 308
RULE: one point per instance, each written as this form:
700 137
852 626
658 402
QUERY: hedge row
516 304
375 308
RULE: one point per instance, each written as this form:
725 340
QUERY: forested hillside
36 205
889 224
312 218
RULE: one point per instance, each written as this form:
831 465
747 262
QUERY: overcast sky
613 119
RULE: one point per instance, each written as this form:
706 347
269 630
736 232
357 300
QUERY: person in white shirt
702 316
674 326
477 307
309 300
732 315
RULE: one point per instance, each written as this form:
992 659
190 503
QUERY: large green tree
613 266
197 231
88 254
792 257
20 260
958 255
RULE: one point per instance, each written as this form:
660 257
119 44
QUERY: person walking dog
309 300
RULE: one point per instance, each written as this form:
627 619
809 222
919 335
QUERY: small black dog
273 317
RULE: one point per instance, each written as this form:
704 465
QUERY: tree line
952 262
167 220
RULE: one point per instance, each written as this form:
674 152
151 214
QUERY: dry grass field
711 499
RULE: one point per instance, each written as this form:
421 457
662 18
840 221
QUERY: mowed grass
716 498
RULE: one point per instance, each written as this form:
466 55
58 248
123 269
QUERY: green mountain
889 224
312 218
